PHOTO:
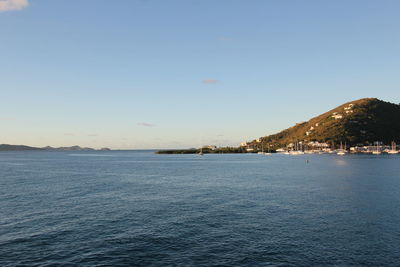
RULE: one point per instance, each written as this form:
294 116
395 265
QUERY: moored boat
341 151
393 150
377 150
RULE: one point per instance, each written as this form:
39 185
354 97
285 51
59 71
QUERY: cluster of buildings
347 110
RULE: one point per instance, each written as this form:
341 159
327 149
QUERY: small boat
262 150
280 150
341 151
268 153
377 151
393 150
297 150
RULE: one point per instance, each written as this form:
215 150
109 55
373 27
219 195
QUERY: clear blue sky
182 73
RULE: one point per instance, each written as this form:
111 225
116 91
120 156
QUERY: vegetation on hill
363 121
219 150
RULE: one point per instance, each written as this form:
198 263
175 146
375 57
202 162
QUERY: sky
135 74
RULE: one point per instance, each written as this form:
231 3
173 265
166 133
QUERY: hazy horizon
178 74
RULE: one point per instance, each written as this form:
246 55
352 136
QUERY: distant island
6 147
358 124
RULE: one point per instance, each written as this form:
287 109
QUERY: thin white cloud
146 124
210 81
8 5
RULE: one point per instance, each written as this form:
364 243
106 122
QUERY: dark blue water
142 209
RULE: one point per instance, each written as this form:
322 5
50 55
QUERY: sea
137 208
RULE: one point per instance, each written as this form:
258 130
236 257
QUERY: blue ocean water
136 208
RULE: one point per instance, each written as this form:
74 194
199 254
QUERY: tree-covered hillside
362 121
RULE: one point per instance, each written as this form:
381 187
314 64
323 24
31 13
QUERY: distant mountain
5 147
358 122
71 148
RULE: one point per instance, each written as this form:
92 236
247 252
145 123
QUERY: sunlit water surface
137 208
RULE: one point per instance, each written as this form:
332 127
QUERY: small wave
90 155
13 163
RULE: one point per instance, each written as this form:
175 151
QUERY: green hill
358 122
